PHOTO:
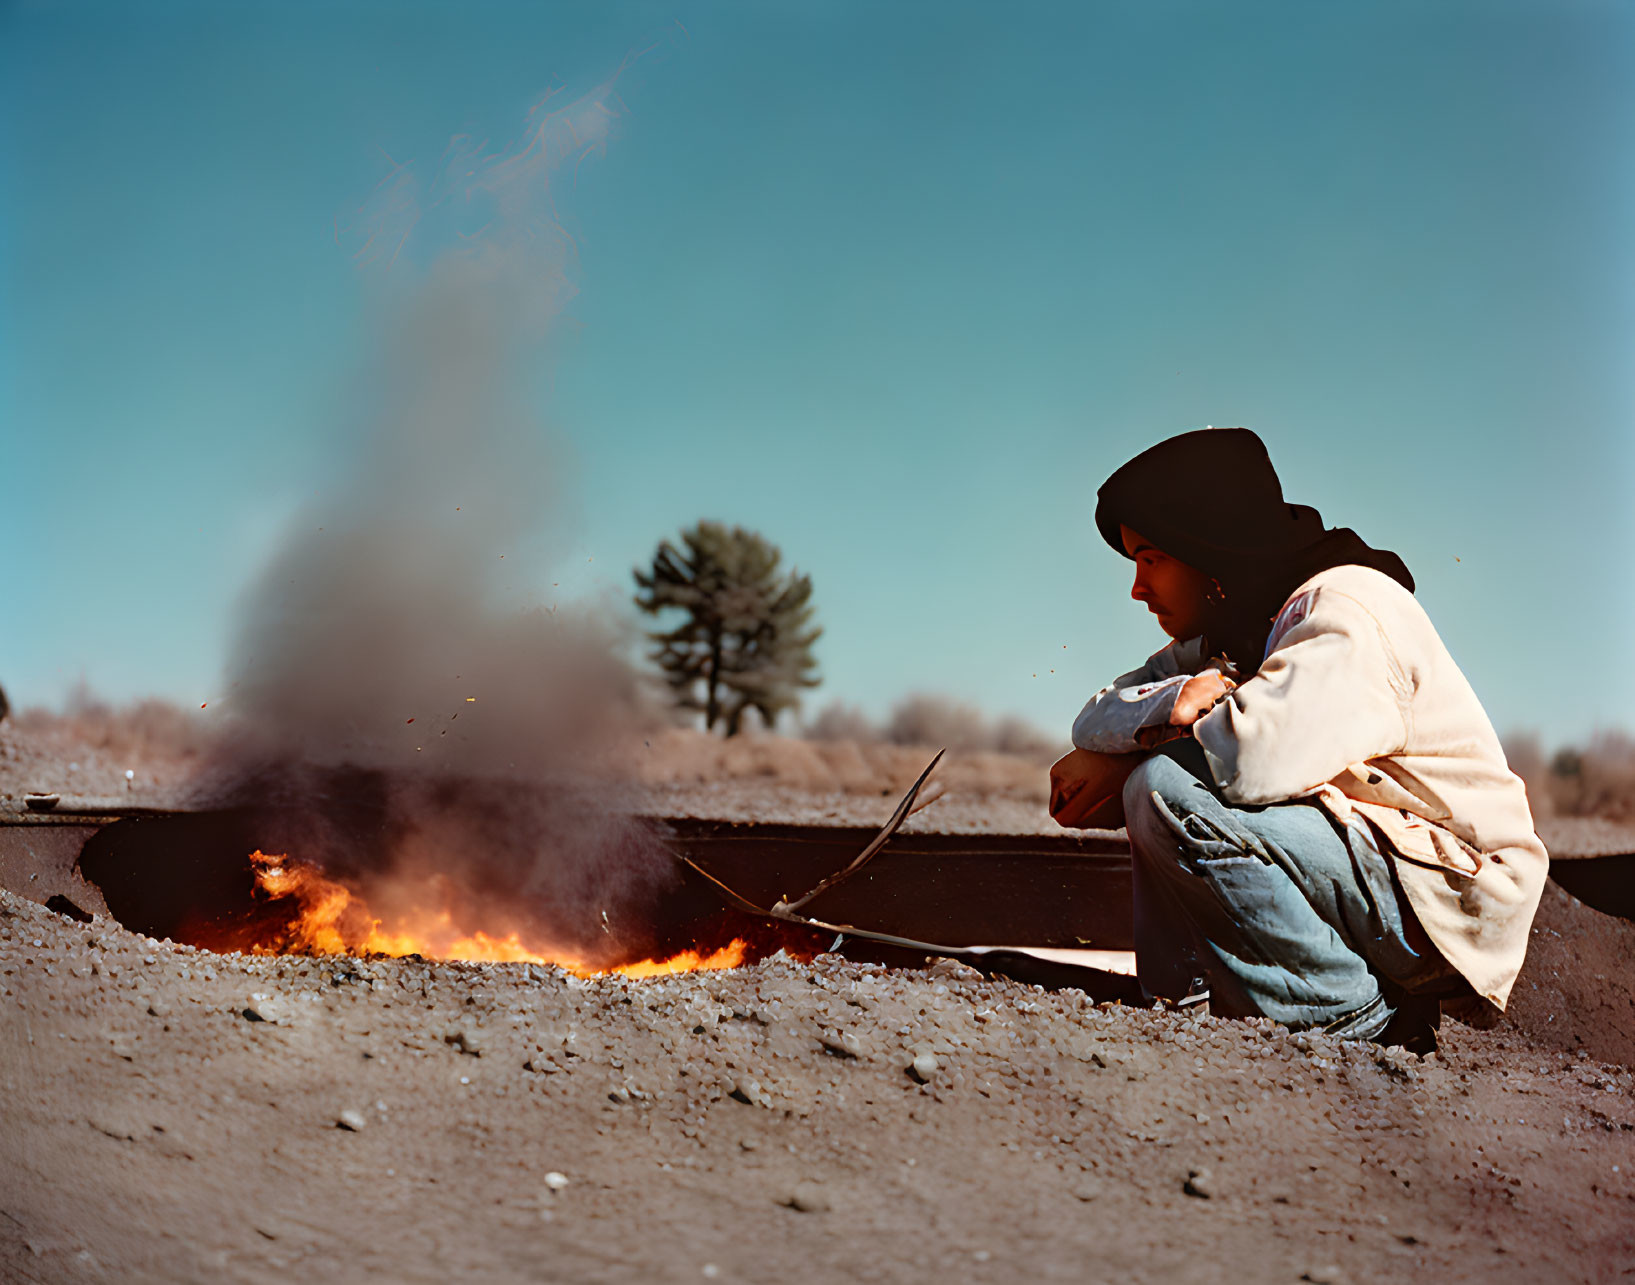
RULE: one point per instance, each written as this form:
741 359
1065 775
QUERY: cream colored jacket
1359 706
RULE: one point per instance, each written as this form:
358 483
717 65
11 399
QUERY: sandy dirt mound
1576 991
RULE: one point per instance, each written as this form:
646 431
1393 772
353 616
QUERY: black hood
1213 500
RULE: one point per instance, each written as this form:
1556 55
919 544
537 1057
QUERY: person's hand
1198 694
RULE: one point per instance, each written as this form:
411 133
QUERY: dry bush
931 720
146 729
678 757
1525 754
926 719
841 722
1013 735
1595 781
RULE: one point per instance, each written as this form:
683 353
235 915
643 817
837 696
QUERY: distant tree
746 639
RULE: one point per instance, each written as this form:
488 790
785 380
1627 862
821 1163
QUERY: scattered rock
466 1039
1201 1183
115 1126
1087 1187
747 1089
352 1121
1326 1274
63 906
555 1182
264 1008
842 1044
810 1198
167 1143
1396 1063
924 1066
947 969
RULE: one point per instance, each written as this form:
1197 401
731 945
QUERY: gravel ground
167 1114
172 1115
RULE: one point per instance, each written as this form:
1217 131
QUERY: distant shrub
841 722
1013 735
1595 780
143 727
925 719
1598 780
1526 758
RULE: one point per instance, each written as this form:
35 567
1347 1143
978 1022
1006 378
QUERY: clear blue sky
897 285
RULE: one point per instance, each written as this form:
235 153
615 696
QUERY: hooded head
1211 499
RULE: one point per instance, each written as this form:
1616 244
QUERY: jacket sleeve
1141 698
1330 693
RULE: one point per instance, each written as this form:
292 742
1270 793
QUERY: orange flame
333 920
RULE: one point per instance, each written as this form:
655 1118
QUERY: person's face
1172 590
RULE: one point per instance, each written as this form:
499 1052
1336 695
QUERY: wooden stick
987 959
786 909
743 903
931 796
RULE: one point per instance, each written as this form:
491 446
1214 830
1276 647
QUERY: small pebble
1087 1187
262 1008
809 1198
1201 1183
351 1120
555 1181
466 1039
844 1044
923 1067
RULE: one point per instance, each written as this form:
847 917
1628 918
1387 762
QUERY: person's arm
1330 693
1087 789
1143 698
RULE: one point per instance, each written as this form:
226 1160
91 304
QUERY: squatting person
1323 825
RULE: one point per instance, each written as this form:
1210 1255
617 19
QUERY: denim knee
1164 777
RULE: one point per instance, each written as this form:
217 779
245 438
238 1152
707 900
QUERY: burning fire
332 920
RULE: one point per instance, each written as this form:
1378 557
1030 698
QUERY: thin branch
785 909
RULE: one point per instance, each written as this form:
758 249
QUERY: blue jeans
1276 909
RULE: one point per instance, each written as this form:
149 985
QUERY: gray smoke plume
408 700
391 602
